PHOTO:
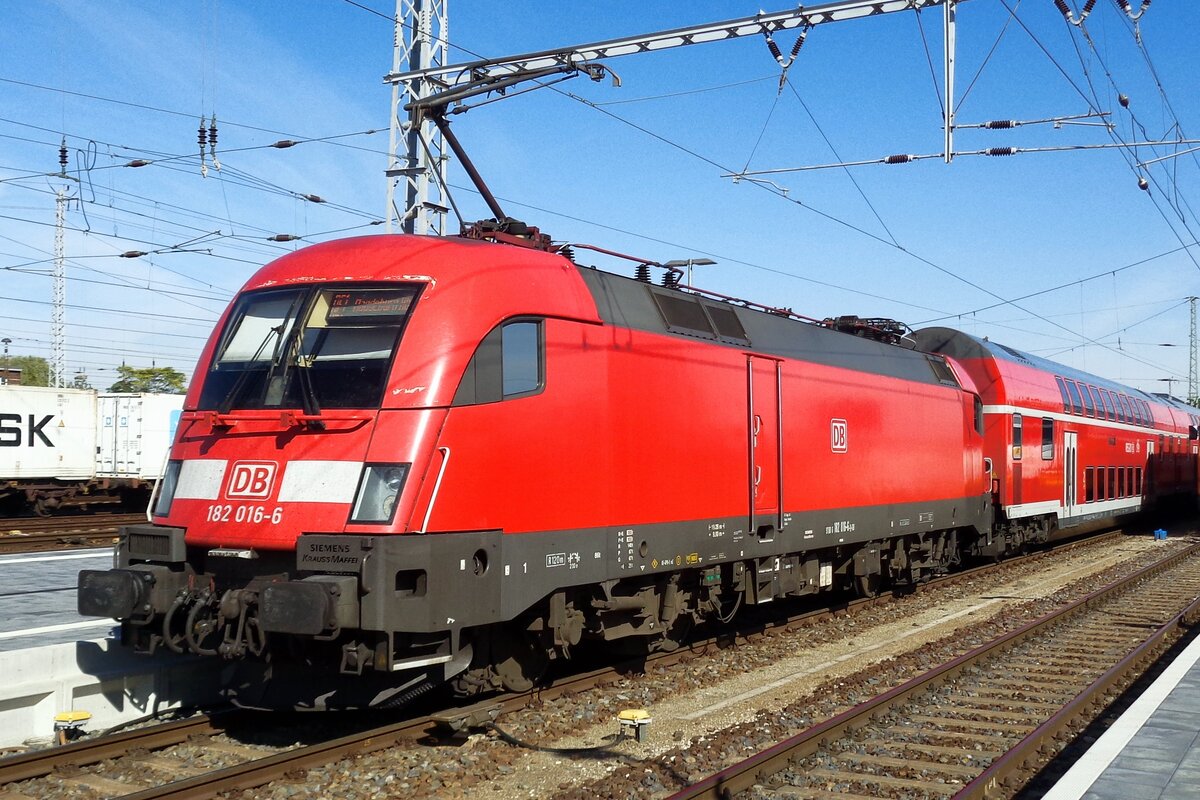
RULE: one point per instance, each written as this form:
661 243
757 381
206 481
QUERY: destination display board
369 306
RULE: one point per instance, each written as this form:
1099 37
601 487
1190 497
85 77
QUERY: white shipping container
47 433
134 433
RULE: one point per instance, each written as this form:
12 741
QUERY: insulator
1001 124
62 155
138 162
1123 99
314 198
898 159
282 237
212 132
132 254
202 134
670 278
1143 184
643 273
1000 151
774 48
799 43
1125 6
1062 7
567 252
1087 7
285 143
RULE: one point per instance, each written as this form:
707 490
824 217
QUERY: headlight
166 491
378 489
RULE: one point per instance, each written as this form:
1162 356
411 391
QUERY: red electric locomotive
1070 451
410 460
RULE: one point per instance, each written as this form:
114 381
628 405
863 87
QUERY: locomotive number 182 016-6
225 512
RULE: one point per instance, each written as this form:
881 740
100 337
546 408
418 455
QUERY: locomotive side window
509 362
978 415
520 358
1047 439
1062 390
1016 437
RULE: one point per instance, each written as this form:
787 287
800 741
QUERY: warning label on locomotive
330 553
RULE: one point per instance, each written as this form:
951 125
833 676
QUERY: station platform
1152 751
37 598
53 660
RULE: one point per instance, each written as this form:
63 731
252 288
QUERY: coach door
1070 473
765 446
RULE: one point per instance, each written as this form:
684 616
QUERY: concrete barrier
98 676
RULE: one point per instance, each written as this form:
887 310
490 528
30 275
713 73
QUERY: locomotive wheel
519 662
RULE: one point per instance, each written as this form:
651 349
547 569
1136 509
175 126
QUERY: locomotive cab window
509 363
310 348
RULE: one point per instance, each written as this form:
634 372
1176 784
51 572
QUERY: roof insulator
282 237
313 198
899 159
1000 151
283 144
138 162
133 254
1001 124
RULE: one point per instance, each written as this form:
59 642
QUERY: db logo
837 435
251 479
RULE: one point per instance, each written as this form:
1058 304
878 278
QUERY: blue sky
636 169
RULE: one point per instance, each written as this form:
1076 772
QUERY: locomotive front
314 414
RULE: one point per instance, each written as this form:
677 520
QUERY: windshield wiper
230 397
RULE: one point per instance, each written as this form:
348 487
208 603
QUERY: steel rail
745 774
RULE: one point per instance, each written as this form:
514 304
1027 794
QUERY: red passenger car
1070 450
406 460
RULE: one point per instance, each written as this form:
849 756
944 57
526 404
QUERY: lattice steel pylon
58 335
416 160
1193 392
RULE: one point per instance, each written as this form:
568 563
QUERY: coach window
1129 481
1047 439
1097 402
1088 407
1112 483
1062 389
1076 402
1016 437
1089 484
1147 413
1108 405
1123 408
1121 482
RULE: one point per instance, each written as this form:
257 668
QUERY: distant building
10 376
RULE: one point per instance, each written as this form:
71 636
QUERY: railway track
197 758
38 534
980 725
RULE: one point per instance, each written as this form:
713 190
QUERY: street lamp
689 263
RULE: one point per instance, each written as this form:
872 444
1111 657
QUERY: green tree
165 380
35 370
